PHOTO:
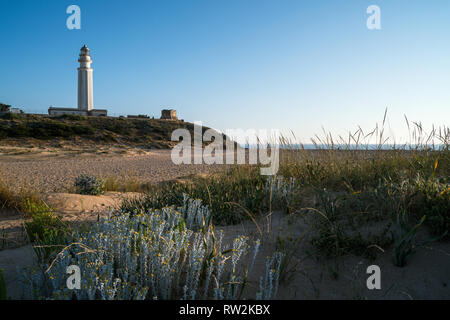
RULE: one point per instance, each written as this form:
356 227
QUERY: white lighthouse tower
85 82
85 91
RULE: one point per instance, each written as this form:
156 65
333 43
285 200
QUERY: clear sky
286 64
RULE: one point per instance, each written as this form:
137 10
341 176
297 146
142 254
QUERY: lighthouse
85 82
85 91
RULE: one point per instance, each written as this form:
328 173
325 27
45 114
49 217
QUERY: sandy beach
57 173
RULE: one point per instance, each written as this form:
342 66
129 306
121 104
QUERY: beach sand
52 173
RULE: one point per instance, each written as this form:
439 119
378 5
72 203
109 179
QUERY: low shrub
41 225
339 226
46 231
73 117
10 116
89 185
431 197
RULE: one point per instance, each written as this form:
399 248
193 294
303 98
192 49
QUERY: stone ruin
169 114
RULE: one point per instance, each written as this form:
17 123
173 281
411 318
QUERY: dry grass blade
249 214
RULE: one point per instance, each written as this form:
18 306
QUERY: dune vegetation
356 199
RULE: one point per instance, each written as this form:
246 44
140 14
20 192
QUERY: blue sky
287 64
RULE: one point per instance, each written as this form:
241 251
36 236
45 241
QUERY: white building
85 91
16 111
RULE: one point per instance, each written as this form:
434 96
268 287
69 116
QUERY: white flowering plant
281 192
154 255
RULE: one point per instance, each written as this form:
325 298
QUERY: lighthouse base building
55 111
85 91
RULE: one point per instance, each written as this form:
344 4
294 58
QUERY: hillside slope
19 130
